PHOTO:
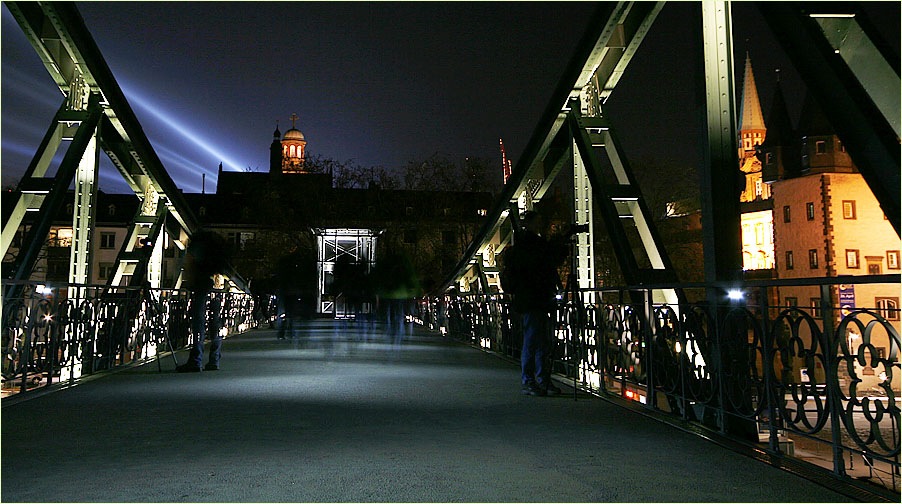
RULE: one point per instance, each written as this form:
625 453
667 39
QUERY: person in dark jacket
530 274
205 257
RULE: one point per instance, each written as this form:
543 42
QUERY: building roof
751 117
780 131
293 134
813 121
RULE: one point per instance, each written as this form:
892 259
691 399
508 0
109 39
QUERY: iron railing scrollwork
803 381
56 333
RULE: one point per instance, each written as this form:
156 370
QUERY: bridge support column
81 254
584 262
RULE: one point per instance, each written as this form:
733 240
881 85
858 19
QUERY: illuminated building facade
755 201
828 224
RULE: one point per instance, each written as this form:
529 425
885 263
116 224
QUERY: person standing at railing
530 275
205 257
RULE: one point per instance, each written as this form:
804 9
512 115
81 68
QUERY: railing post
767 364
718 343
832 376
649 314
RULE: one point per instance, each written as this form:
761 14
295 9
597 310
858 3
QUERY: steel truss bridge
717 364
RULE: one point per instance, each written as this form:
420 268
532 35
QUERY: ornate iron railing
816 382
55 333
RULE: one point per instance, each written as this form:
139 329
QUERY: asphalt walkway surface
334 417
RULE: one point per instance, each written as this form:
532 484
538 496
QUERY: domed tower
275 152
293 145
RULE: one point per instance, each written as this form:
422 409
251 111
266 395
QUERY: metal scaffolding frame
94 114
826 47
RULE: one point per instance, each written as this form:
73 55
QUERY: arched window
284 150
111 210
291 151
202 211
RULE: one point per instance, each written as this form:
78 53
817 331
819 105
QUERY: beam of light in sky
177 126
17 148
23 84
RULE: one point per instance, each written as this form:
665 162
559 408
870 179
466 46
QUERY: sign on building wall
846 298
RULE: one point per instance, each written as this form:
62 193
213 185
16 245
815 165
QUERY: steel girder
856 83
58 33
615 33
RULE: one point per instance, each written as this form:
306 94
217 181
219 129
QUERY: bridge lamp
735 294
43 289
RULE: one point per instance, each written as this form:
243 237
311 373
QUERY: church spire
751 124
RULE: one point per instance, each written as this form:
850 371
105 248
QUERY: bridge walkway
339 414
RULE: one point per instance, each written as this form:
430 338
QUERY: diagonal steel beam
34 239
852 105
614 34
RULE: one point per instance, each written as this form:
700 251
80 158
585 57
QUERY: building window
816 307
409 210
789 263
111 210
107 240
792 302
105 270
812 258
446 212
848 209
888 307
820 147
842 147
371 210
202 211
892 259
786 215
769 158
852 258
809 210
875 265
481 212
758 187
69 208
410 236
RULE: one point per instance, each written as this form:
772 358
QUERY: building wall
831 235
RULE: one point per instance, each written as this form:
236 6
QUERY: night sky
380 84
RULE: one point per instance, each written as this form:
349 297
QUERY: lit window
291 151
769 158
892 259
812 258
758 187
848 209
792 301
852 258
789 263
888 307
842 147
64 237
786 214
481 211
809 210
820 147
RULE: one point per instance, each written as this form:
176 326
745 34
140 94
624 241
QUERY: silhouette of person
530 274
205 257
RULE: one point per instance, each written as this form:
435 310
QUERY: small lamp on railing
735 295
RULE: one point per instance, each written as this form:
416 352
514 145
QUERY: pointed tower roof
780 132
813 121
751 117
